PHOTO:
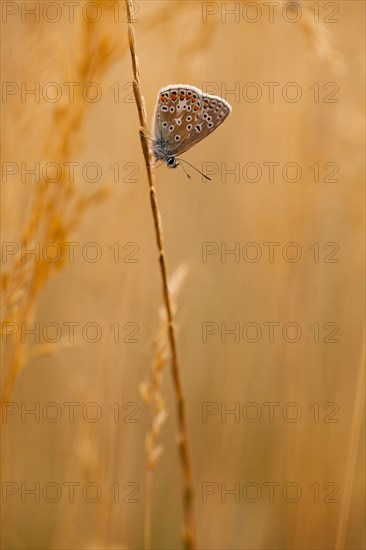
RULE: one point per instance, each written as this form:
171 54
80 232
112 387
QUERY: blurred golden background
286 469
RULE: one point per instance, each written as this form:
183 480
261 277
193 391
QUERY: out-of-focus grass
194 211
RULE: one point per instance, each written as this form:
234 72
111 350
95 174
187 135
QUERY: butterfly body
184 116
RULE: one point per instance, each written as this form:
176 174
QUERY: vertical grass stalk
183 444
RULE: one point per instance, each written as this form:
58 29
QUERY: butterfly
184 115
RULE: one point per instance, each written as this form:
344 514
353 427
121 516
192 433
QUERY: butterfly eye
171 128
189 108
189 127
165 124
189 118
177 138
210 124
198 128
172 109
164 108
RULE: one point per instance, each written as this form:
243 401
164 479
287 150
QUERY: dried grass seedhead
56 208
151 391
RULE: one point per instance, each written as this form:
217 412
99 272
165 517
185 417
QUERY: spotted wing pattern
184 116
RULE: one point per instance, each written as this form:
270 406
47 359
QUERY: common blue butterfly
184 116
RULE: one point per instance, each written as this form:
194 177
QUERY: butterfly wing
184 116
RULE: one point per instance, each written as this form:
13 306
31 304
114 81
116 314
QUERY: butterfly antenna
191 165
185 171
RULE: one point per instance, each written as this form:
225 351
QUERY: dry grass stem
354 443
189 530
